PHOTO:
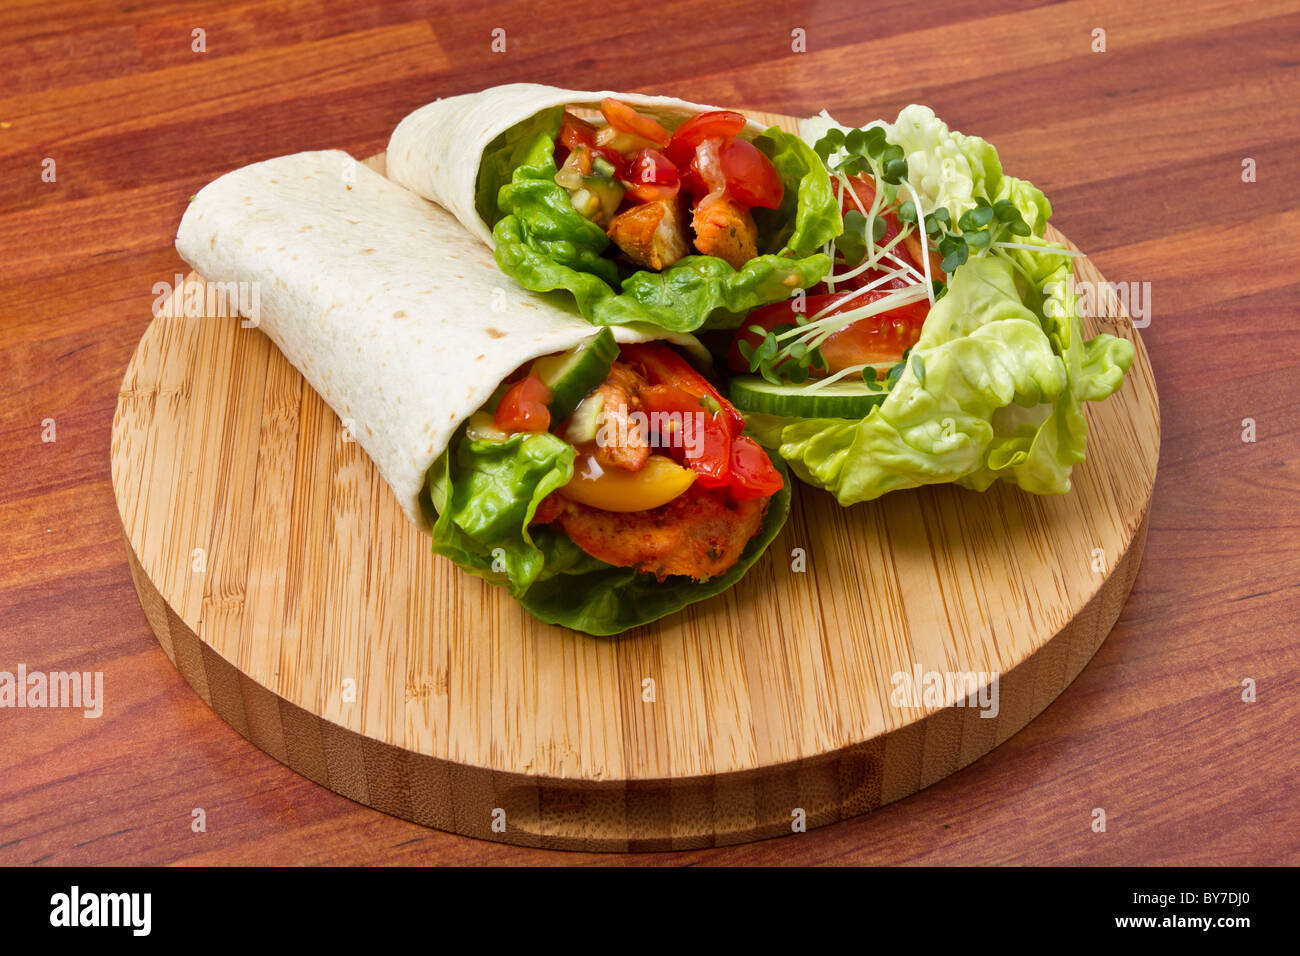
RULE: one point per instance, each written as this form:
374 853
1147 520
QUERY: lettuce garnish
994 388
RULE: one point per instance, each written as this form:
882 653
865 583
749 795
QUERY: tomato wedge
879 340
718 124
752 180
875 340
627 120
523 407
752 473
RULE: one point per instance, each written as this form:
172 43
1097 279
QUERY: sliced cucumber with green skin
585 424
850 400
573 374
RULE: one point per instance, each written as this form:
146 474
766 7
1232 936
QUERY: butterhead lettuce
992 390
948 168
994 387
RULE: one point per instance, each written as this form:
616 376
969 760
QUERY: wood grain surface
1141 149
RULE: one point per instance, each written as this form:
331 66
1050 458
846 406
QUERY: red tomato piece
874 340
866 194
909 250
752 180
704 443
752 473
711 458
692 181
877 340
523 407
651 176
669 398
652 166
575 132
718 124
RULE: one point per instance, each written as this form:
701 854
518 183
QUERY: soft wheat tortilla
397 316
436 150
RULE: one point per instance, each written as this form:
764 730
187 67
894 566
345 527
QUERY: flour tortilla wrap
397 317
437 151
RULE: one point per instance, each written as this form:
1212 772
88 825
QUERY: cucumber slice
750 393
573 374
482 427
585 423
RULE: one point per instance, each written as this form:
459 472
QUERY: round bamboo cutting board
280 576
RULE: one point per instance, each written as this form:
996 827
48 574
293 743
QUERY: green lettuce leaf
809 216
540 216
484 495
992 390
951 169
546 245
945 167
1037 448
505 154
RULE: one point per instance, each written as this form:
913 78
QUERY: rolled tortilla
390 310
437 150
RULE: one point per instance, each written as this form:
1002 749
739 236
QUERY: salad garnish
891 263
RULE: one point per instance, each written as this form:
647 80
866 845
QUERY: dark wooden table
1141 149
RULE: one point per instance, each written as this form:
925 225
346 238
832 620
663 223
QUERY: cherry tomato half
652 166
651 176
718 124
752 180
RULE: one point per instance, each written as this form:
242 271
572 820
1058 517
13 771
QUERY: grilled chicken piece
725 230
624 444
652 234
697 534
548 510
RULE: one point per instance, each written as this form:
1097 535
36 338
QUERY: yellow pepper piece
659 481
